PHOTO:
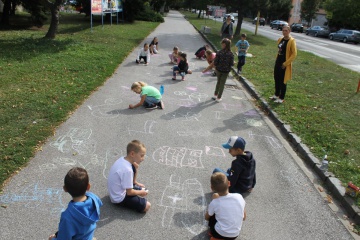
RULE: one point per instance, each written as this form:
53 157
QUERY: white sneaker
218 100
279 100
274 97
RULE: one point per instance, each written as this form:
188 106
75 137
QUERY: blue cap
235 142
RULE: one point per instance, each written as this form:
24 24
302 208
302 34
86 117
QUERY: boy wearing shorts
226 212
123 188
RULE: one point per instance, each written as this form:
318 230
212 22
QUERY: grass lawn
43 81
322 106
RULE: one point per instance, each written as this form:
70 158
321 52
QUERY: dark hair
183 55
219 182
243 35
76 181
145 44
227 44
134 146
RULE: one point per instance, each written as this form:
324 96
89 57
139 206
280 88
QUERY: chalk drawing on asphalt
186 199
214 151
218 114
232 107
237 97
77 139
35 196
189 116
112 155
103 110
178 157
274 142
148 125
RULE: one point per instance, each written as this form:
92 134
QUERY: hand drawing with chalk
185 203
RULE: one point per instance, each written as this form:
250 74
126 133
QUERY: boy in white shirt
226 212
123 187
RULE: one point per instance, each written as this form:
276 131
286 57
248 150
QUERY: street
183 144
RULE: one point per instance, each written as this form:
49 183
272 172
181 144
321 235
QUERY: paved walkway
183 146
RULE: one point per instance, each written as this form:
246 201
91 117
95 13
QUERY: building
295 15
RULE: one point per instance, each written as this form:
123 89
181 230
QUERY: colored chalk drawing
35 195
186 198
178 157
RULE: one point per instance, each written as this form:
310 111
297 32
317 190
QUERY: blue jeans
150 101
241 62
227 173
176 68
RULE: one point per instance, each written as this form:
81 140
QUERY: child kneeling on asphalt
150 97
226 211
182 68
241 175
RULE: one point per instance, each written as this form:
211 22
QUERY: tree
343 14
309 9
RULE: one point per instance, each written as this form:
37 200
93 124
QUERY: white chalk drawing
274 142
68 162
77 139
187 200
188 133
34 196
214 151
254 122
112 155
47 167
192 88
180 93
218 114
107 109
198 96
189 116
296 179
237 97
148 125
178 157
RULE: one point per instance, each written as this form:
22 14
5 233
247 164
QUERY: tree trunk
199 14
5 21
54 9
239 23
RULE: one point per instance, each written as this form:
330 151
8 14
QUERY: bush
149 15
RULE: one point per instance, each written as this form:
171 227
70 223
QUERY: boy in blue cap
241 175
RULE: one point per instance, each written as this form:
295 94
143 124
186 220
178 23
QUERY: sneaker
214 98
173 79
274 97
151 107
218 100
214 74
279 100
160 105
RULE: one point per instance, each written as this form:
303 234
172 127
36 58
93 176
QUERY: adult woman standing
227 29
223 62
283 65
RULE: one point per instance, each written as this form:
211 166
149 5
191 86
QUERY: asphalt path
183 146
344 54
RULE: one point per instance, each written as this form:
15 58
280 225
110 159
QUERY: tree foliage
309 9
343 14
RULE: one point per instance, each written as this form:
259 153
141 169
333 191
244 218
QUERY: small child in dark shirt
182 68
241 175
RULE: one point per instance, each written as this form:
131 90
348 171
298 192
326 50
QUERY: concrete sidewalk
183 146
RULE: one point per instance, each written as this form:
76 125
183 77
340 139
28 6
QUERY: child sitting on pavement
144 54
174 56
124 190
210 56
150 97
154 46
78 221
182 68
200 53
226 211
241 175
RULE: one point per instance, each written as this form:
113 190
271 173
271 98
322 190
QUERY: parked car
232 17
297 27
318 31
278 24
271 23
346 35
261 21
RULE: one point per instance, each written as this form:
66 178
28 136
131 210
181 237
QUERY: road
344 54
183 147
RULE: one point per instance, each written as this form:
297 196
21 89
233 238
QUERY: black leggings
212 222
280 86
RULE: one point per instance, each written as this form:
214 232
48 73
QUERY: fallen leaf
320 189
329 199
3 206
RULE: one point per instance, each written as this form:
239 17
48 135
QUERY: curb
332 183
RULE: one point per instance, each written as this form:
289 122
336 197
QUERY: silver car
346 35
318 31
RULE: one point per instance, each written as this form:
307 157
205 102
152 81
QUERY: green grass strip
322 106
43 81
